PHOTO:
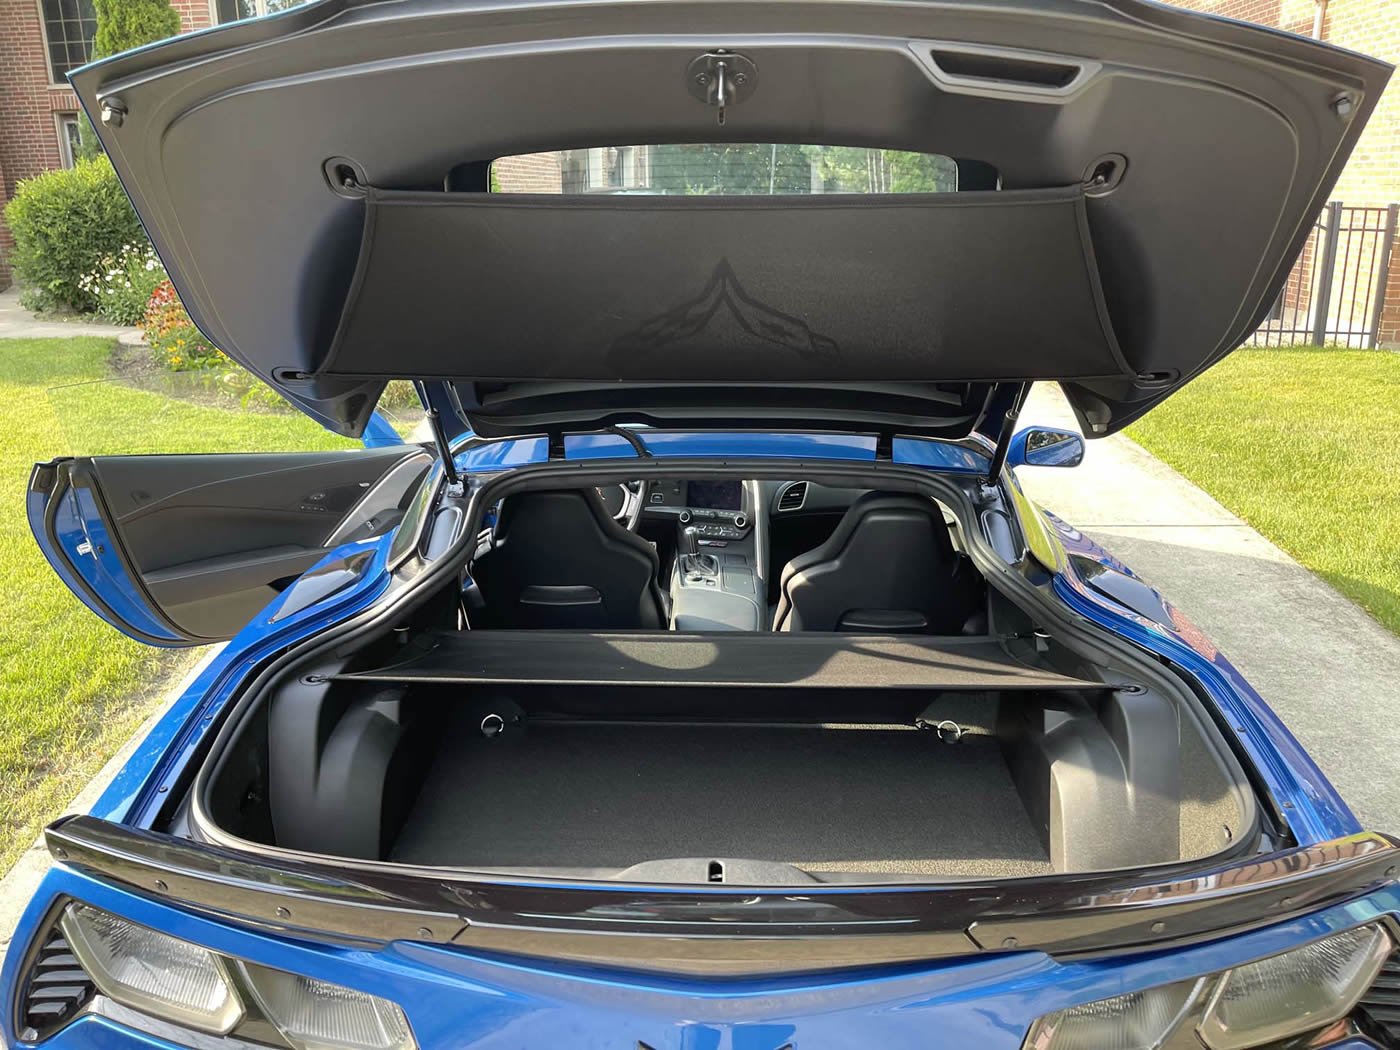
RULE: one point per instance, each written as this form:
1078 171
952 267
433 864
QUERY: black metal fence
1336 291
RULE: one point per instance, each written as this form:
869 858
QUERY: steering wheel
624 502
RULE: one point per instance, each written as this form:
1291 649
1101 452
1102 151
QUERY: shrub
124 284
64 224
124 24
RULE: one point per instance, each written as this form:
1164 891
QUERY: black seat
889 567
560 560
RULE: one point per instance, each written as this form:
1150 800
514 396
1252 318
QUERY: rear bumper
458 998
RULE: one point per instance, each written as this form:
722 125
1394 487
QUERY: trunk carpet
610 796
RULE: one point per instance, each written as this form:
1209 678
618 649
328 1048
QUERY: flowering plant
176 343
178 346
122 284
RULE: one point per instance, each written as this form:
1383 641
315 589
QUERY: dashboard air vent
793 496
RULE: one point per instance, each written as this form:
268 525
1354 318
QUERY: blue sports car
706 681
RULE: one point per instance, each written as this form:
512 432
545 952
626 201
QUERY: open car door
181 550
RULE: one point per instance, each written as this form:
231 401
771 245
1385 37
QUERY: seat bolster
802 584
546 542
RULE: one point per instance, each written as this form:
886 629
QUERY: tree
855 169
124 24
121 26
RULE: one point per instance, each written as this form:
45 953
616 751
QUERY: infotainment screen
715 495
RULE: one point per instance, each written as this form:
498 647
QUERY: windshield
733 169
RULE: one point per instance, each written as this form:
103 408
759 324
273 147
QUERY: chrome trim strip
729 930
352 519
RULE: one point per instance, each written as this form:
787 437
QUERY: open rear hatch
318 185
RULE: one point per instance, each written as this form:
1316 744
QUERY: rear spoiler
729 931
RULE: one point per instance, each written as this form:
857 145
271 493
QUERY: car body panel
461 999
135 793
1315 811
72 536
1273 116
1312 805
458 997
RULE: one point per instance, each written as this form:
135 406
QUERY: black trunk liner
613 795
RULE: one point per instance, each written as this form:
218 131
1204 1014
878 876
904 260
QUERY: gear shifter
692 561
690 541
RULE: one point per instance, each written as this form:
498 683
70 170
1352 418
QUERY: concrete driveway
1326 667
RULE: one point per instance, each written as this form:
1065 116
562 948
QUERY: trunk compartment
612 795
642 758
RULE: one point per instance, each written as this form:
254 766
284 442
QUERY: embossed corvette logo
724 297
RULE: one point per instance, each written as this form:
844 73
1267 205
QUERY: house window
68 137
69 26
234 10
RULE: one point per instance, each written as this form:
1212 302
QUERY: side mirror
1043 447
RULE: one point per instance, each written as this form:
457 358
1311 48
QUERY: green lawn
72 688
1304 444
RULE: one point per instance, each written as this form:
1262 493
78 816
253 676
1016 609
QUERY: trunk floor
610 796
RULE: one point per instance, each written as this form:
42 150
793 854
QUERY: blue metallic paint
1313 809
858 448
1066 453
77 522
459 999
134 794
379 433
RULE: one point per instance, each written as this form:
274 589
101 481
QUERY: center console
717 583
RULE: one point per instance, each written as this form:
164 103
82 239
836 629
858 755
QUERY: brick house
40 40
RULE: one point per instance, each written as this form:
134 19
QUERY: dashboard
719 501
720 510
715 495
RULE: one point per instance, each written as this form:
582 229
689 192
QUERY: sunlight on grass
1304 444
72 688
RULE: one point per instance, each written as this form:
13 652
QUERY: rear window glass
733 169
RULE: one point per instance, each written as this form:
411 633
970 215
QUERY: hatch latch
721 78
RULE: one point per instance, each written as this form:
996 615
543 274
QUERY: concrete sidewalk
18 323
1326 667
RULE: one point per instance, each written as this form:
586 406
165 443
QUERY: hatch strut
1008 427
444 450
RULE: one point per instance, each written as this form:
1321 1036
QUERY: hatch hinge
444 448
1008 428
884 446
556 444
